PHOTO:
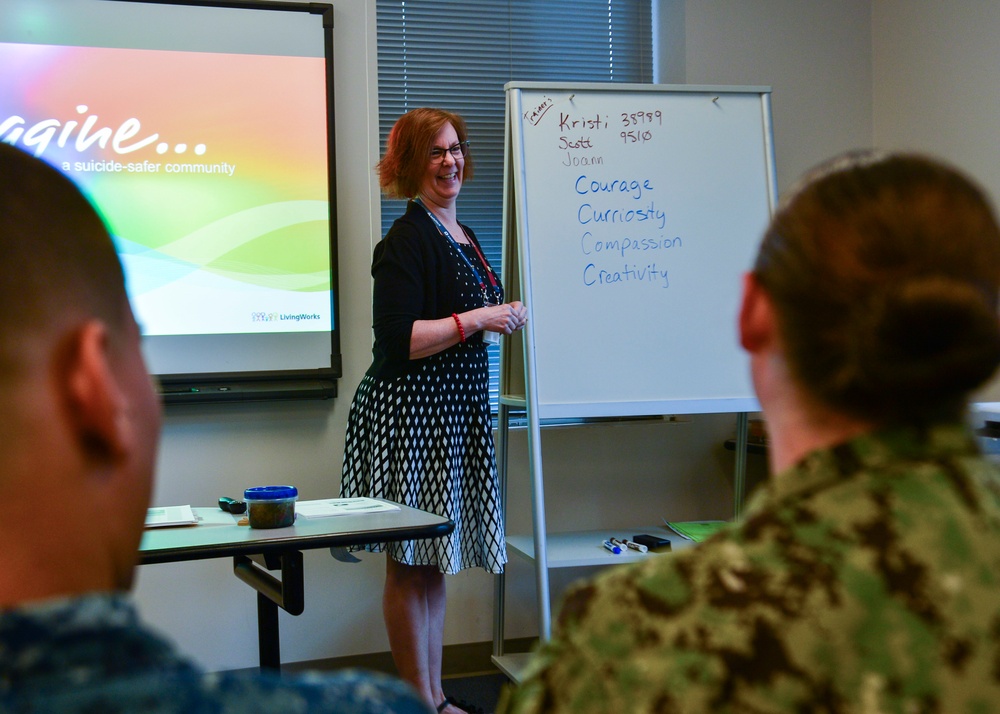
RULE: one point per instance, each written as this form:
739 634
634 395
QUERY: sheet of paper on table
166 516
327 507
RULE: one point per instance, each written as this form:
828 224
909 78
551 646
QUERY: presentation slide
202 134
219 208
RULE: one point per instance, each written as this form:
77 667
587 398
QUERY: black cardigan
417 277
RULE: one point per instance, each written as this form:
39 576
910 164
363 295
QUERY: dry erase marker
621 546
636 546
608 545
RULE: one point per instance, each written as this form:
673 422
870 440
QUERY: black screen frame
202 387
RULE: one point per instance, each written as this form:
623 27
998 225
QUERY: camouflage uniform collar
85 637
882 449
104 609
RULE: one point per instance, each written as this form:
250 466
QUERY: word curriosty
588 213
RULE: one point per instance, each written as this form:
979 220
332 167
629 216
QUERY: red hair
408 147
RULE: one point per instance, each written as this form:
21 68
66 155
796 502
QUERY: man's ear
96 403
757 324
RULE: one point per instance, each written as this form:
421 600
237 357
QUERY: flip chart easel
631 213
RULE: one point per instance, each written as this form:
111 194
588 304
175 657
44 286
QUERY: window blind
457 55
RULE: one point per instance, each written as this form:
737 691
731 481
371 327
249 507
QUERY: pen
636 546
608 545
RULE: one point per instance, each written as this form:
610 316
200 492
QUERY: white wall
937 81
816 56
937 86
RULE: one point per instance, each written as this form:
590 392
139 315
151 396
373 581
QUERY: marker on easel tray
608 545
636 546
621 546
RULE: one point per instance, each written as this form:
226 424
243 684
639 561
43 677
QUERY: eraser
654 543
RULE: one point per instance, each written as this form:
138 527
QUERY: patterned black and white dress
420 431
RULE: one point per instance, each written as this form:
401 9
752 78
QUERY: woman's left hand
431 336
506 318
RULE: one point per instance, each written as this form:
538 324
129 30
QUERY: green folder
694 530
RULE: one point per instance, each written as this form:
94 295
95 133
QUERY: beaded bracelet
461 330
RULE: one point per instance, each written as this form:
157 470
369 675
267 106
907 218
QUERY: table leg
268 635
287 593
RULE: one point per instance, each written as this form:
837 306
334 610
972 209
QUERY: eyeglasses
457 150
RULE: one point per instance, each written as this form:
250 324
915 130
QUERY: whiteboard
636 209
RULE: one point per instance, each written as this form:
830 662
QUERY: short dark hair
884 273
408 148
57 259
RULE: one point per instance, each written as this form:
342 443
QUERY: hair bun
927 337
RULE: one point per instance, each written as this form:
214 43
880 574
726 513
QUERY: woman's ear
757 324
96 403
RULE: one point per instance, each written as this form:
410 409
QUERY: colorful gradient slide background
216 188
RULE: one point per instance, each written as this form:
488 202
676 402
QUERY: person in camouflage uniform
79 427
865 574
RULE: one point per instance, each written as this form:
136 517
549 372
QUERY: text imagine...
39 136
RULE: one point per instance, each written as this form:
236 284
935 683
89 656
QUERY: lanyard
479 278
